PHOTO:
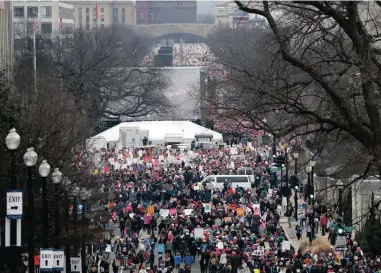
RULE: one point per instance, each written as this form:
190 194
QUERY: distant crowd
186 54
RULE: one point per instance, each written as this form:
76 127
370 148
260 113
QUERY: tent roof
158 129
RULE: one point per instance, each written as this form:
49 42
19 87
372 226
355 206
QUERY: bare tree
101 68
313 72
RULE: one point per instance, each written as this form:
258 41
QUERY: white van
242 181
247 171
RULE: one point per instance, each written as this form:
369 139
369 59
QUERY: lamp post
308 170
66 184
83 195
57 179
281 181
296 156
340 187
296 189
13 142
75 194
275 143
312 163
44 171
30 160
312 197
285 146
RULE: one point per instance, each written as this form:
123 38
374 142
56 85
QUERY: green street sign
349 228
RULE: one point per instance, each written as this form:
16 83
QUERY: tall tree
313 71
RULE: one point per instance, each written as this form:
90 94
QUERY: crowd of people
184 54
170 222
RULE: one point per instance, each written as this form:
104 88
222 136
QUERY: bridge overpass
162 30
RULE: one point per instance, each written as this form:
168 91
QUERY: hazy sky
206 7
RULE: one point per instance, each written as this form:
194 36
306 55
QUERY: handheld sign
75 264
59 259
108 248
46 259
14 204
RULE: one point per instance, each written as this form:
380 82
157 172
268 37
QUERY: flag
96 10
34 24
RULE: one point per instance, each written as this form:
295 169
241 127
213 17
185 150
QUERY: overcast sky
206 7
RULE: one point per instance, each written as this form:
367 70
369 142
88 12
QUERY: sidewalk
290 232
319 243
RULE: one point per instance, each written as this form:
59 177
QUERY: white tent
158 131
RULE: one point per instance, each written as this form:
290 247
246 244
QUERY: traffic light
279 160
294 181
309 190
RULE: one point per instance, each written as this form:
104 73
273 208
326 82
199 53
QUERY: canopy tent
158 131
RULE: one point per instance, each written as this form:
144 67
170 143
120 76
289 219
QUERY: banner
151 210
286 245
164 212
240 211
207 207
256 208
188 212
198 233
260 251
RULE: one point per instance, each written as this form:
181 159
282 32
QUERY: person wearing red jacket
323 224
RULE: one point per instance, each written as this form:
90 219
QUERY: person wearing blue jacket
178 260
188 260
160 249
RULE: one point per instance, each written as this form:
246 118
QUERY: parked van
242 181
247 171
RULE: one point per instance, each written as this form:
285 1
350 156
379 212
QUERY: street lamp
44 171
12 141
84 196
57 179
281 180
340 186
296 156
296 189
75 194
285 145
30 160
312 198
312 163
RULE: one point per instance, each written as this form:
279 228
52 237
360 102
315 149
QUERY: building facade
6 35
228 14
51 17
166 12
224 13
109 13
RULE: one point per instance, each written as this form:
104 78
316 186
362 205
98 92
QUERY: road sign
76 265
14 204
341 241
59 259
349 229
46 259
